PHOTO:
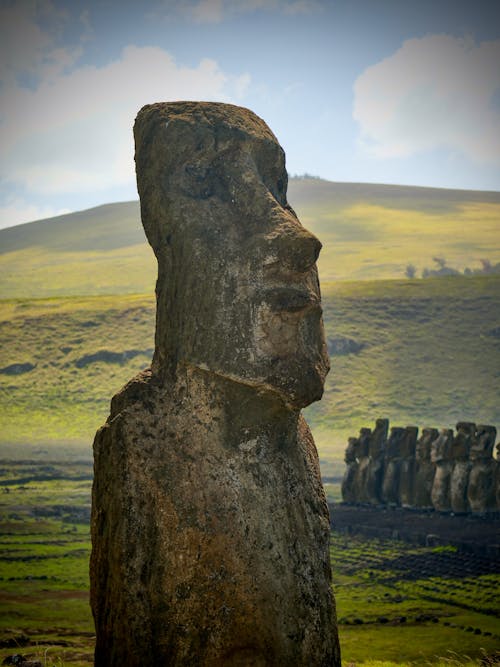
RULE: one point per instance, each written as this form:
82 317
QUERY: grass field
388 611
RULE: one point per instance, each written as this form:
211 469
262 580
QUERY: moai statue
390 484
460 448
362 445
348 481
481 491
210 527
375 469
424 469
407 467
440 456
497 477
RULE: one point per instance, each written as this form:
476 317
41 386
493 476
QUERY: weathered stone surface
440 470
390 485
362 449
424 468
209 523
441 457
376 452
481 490
348 481
460 450
407 467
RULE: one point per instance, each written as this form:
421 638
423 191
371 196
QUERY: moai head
237 290
393 447
423 446
363 443
378 439
484 442
350 452
441 446
409 442
464 437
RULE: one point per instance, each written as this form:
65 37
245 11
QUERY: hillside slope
368 232
424 352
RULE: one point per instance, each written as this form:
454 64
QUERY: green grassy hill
73 330
367 231
425 352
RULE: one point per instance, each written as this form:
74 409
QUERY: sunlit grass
368 241
367 232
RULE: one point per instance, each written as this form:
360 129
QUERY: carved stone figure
424 468
481 491
460 449
375 469
440 456
348 481
390 485
407 467
497 477
361 448
210 527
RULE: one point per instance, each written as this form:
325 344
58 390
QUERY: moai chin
210 527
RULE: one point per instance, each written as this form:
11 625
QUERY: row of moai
441 470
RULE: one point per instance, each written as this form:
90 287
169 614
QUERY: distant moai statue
362 448
348 481
375 469
459 454
481 491
440 456
392 460
424 468
407 467
497 477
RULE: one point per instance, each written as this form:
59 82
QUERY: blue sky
383 91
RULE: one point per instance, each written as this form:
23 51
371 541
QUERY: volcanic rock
210 527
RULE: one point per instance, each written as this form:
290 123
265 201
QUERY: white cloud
73 133
434 92
27 49
18 211
215 11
